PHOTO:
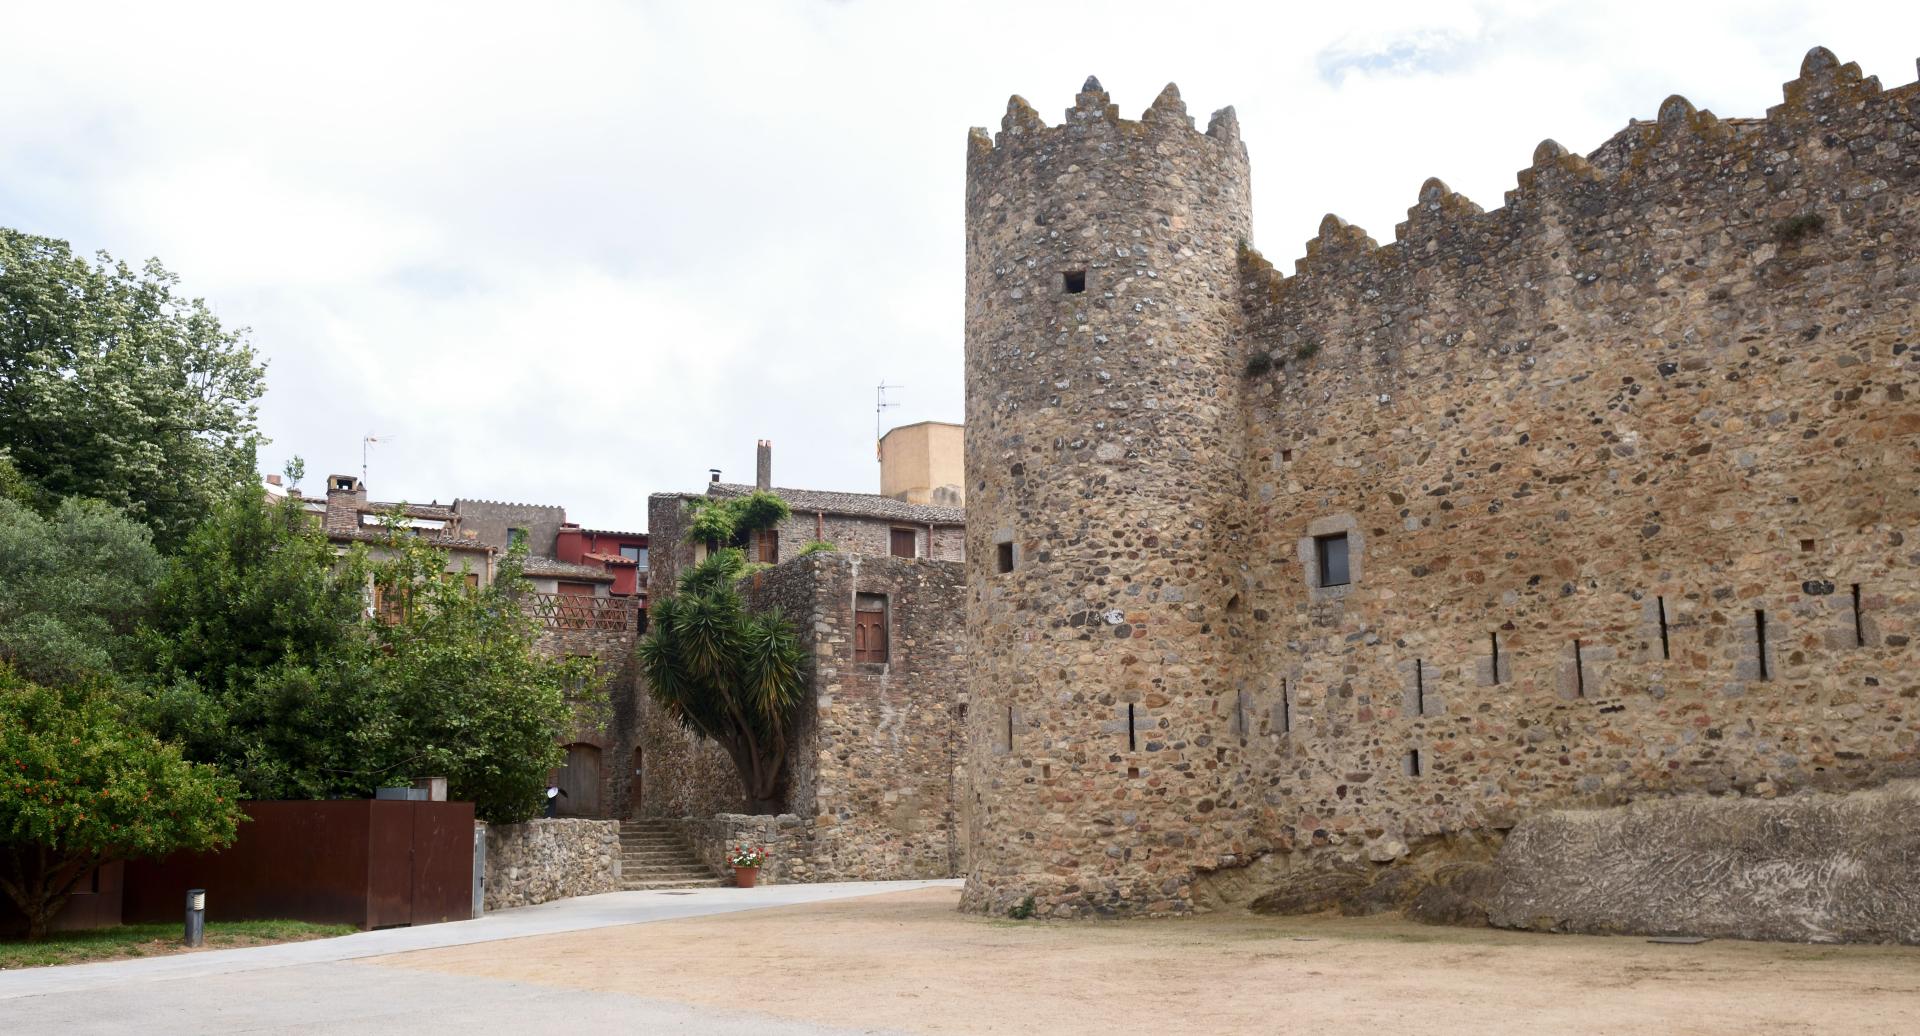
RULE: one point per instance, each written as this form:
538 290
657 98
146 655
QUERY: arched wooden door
580 779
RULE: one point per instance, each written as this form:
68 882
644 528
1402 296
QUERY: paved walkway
304 987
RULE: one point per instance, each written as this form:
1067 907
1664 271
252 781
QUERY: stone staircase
653 857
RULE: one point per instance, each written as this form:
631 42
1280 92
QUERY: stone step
666 872
710 883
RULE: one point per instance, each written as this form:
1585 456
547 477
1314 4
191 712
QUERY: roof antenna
880 406
366 441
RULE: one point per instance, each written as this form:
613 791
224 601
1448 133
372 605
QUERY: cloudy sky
579 252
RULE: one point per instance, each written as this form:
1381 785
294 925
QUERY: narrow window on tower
1009 728
1331 553
1760 641
1074 282
1003 557
1494 639
1859 627
1410 763
1579 673
1132 742
1666 649
1286 707
1419 688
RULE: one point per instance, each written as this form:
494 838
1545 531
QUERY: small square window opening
1003 557
1331 553
1074 281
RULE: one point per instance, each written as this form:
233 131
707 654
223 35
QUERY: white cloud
579 254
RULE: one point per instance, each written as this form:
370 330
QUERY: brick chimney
763 468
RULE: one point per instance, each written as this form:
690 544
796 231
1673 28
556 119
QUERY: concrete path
304 987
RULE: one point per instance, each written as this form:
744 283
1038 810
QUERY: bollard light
196 917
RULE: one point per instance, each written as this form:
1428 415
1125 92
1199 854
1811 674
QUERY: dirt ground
909 961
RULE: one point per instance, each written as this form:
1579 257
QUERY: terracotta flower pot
744 877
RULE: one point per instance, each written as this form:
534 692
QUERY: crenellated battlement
1836 142
1094 113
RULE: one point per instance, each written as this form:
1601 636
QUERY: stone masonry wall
1647 420
610 724
1646 430
785 838
543 860
875 773
1102 457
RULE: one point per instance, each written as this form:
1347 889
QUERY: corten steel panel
390 864
348 862
443 837
300 860
94 903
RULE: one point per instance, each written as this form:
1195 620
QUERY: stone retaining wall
784 837
543 860
1813 868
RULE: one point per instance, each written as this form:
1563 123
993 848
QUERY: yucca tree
728 674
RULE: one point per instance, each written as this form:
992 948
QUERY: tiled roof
612 559
379 535
550 568
857 505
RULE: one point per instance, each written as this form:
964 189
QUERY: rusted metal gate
373 864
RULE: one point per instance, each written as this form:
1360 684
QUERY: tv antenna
365 442
880 407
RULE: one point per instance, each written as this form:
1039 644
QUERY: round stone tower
1103 445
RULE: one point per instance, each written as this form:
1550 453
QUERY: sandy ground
908 961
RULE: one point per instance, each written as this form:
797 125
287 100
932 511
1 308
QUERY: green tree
80 787
268 665
112 386
73 588
463 690
258 650
727 674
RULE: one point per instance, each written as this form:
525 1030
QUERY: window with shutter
870 628
902 546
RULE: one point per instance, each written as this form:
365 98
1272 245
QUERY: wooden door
870 628
579 779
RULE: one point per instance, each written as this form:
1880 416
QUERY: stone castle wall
1647 425
1102 456
1633 392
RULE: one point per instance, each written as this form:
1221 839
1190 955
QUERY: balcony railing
580 612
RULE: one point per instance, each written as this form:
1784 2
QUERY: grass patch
153 940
